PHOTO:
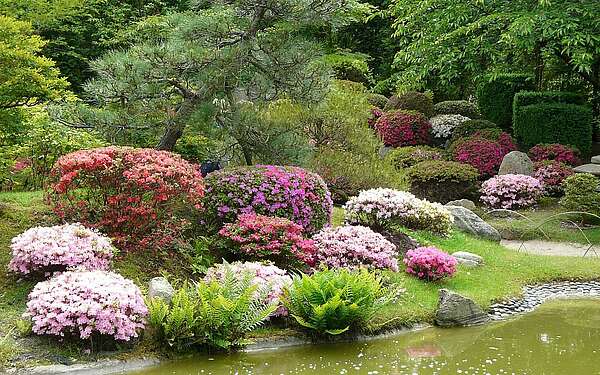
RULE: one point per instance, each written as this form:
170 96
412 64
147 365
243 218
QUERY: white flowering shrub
442 126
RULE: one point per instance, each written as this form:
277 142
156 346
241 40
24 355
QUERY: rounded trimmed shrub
470 127
354 247
429 263
581 194
261 237
84 303
457 107
380 208
551 174
442 126
288 192
377 100
495 96
57 248
142 198
403 128
411 101
483 154
511 191
556 152
405 157
442 181
264 274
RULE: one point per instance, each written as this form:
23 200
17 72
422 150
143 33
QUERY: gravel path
540 247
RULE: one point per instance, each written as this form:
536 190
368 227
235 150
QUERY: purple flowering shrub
263 274
87 302
57 248
289 192
353 247
551 174
511 191
378 208
429 263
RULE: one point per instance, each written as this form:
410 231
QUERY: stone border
535 295
101 367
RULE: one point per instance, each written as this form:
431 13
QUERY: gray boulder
160 287
468 259
596 159
468 204
384 150
456 310
467 221
588 168
516 162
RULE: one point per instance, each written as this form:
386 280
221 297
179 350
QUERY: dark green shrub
330 302
468 128
495 96
442 181
581 194
567 124
405 157
377 100
412 101
457 107
524 98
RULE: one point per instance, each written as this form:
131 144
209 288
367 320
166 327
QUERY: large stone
588 168
516 162
456 310
160 287
468 259
384 150
596 159
468 204
403 241
467 221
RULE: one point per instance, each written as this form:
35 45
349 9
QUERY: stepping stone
596 159
588 168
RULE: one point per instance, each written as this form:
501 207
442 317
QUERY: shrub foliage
442 181
403 128
495 97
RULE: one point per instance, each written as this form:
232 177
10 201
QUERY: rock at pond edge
455 310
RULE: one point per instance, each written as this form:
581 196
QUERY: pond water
561 337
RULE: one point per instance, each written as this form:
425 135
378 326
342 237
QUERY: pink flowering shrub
264 274
353 247
555 151
277 239
289 192
57 248
142 198
375 115
429 263
551 174
84 303
485 155
403 128
511 191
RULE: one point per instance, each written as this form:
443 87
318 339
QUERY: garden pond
560 337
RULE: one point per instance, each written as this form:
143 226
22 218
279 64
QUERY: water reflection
561 337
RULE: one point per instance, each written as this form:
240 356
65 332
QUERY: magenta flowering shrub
264 274
555 151
277 239
429 263
483 154
376 113
289 192
57 248
511 191
354 246
403 128
551 174
84 303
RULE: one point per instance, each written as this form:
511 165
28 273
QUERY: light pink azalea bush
511 191
87 302
429 263
354 246
378 208
57 248
264 274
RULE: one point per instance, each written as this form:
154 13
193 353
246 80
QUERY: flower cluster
264 237
551 174
556 152
87 302
353 247
403 128
442 126
289 192
57 248
485 155
511 191
381 207
265 274
429 263
140 197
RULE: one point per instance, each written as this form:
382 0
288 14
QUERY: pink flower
429 263
511 191
403 128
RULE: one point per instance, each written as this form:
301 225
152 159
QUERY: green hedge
567 124
495 97
524 98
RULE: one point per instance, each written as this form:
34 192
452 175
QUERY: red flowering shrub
556 152
259 237
483 154
139 197
403 128
376 113
551 174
